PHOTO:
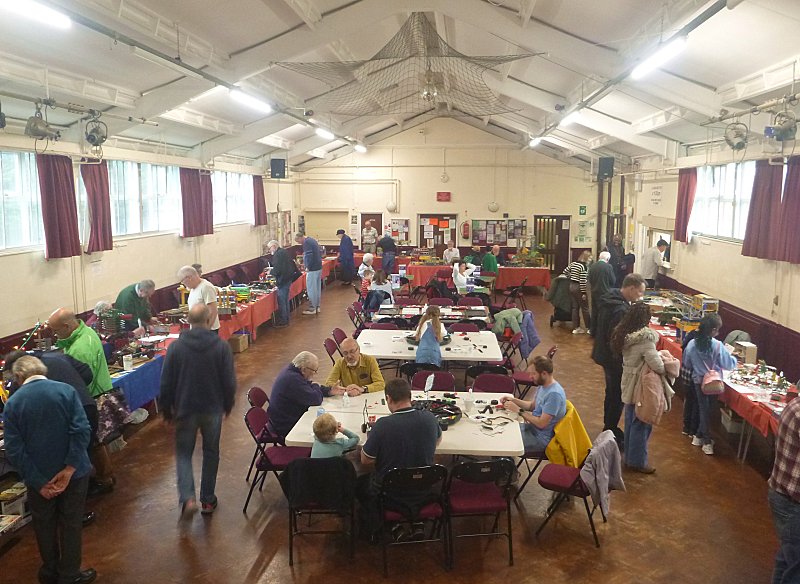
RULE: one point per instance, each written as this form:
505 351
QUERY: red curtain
59 209
259 202
687 185
788 241
761 237
197 202
95 179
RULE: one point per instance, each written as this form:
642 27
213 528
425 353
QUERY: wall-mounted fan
736 135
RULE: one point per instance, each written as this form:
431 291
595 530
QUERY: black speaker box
277 168
605 168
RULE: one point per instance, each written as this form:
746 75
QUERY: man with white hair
369 237
293 393
366 264
135 300
285 272
601 279
201 291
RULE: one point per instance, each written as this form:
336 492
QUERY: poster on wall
286 238
655 195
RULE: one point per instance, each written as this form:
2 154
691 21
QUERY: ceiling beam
190 117
526 11
625 132
306 10
206 151
757 84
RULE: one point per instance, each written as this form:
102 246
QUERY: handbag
712 382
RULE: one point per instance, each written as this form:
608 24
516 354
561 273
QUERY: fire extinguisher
465 230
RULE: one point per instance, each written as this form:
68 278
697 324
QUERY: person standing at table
652 261
346 259
355 372
451 253
475 256
135 300
489 262
285 272
46 436
498 256
601 280
201 291
576 273
312 260
784 492
389 252
611 308
369 238
198 386
703 354
541 414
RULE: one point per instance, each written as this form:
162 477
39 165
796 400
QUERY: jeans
388 262
579 305
612 404
637 433
283 304
690 410
533 440
57 523
210 426
703 413
786 516
314 287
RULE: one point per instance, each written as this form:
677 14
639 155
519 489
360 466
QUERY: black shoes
88 518
96 489
86 576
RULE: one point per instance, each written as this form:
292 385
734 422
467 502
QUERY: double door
553 232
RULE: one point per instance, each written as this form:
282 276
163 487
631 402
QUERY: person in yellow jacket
355 373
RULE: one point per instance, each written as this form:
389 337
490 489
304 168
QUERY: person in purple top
312 260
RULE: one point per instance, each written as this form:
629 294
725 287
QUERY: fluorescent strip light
177 67
360 148
535 142
569 119
39 12
250 101
661 56
323 133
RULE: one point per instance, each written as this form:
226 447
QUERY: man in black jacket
285 272
611 308
198 384
601 279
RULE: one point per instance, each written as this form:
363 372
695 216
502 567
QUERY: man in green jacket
135 300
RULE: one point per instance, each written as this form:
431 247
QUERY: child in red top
366 281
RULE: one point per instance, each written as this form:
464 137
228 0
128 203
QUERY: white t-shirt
459 279
204 293
450 254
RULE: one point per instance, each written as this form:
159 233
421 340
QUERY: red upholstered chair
405 301
469 301
481 488
524 380
257 397
464 327
331 349
442 381
444 274
493 383
339 336
440 301
510 349
272 458
422 479
473 371
515 296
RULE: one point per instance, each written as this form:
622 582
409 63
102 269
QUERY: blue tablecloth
141 385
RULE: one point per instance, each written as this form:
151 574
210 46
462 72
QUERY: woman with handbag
636 341
707 358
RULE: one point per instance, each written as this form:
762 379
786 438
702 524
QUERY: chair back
404 301
517 290
257 419
257 397
470 301
331 349
494 383
464 327
442 380
444 273
328 483
418 478
499 471
352 316
338 335
440 301
474 371
384 326
410 368
358 307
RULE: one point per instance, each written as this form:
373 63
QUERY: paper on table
156 338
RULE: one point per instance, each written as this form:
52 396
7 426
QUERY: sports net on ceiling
416 72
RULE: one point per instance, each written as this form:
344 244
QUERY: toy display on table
685 311
528 257
768 383
174 315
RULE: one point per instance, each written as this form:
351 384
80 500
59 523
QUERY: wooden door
553 232
438 230
377 223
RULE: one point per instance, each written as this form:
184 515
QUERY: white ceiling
733 60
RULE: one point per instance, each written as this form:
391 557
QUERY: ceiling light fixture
569 119
662 55
36 11
165 62
323 133
535 142
360 148
429 90
250 101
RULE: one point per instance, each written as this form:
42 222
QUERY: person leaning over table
389 248
346 261
652 260
312 261
201 291
285 272
135 300
355 372
451 253
489 262
541 414
293 393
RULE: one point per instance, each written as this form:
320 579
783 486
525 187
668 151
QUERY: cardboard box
731 421
18 506
238 343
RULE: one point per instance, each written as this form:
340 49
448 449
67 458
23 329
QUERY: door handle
556 239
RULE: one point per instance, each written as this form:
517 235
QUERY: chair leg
292 519
384 545
252 464
530 474
591 522
250 492
352 530
510 540
551 511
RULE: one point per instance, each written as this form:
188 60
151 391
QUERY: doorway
552 231
377 223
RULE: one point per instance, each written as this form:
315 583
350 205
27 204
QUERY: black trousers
612 405
57 523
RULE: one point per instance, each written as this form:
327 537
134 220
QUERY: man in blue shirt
544 411
346 259
312 260
46 436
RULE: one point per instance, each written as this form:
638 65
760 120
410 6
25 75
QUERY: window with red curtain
687 185
59 207
197 202
788 241
95 181
763 220
259 202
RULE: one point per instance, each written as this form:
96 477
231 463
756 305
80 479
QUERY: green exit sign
582 210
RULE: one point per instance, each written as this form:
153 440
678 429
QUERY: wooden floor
698 519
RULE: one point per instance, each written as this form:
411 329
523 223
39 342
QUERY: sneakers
319 310
310 311
208 508
708 449
641 469
579 331
188 508
401 532
697 441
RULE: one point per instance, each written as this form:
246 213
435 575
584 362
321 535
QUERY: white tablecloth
381 344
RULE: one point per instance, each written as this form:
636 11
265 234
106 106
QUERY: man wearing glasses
201 291
293 393
355 373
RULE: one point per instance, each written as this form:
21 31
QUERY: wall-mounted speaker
605 168
277 168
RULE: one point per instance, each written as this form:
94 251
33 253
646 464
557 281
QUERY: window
20 204
233 197
722 199
123 186
161 197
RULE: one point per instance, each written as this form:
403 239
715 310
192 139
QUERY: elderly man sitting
366 264
355 373
293 392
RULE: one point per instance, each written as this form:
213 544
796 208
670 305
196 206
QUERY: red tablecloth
668 342
377 261
423 274
262 310
508 277
327 268
242 320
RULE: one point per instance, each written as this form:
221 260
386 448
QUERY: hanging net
416 72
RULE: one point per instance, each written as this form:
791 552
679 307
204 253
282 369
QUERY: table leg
747 442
